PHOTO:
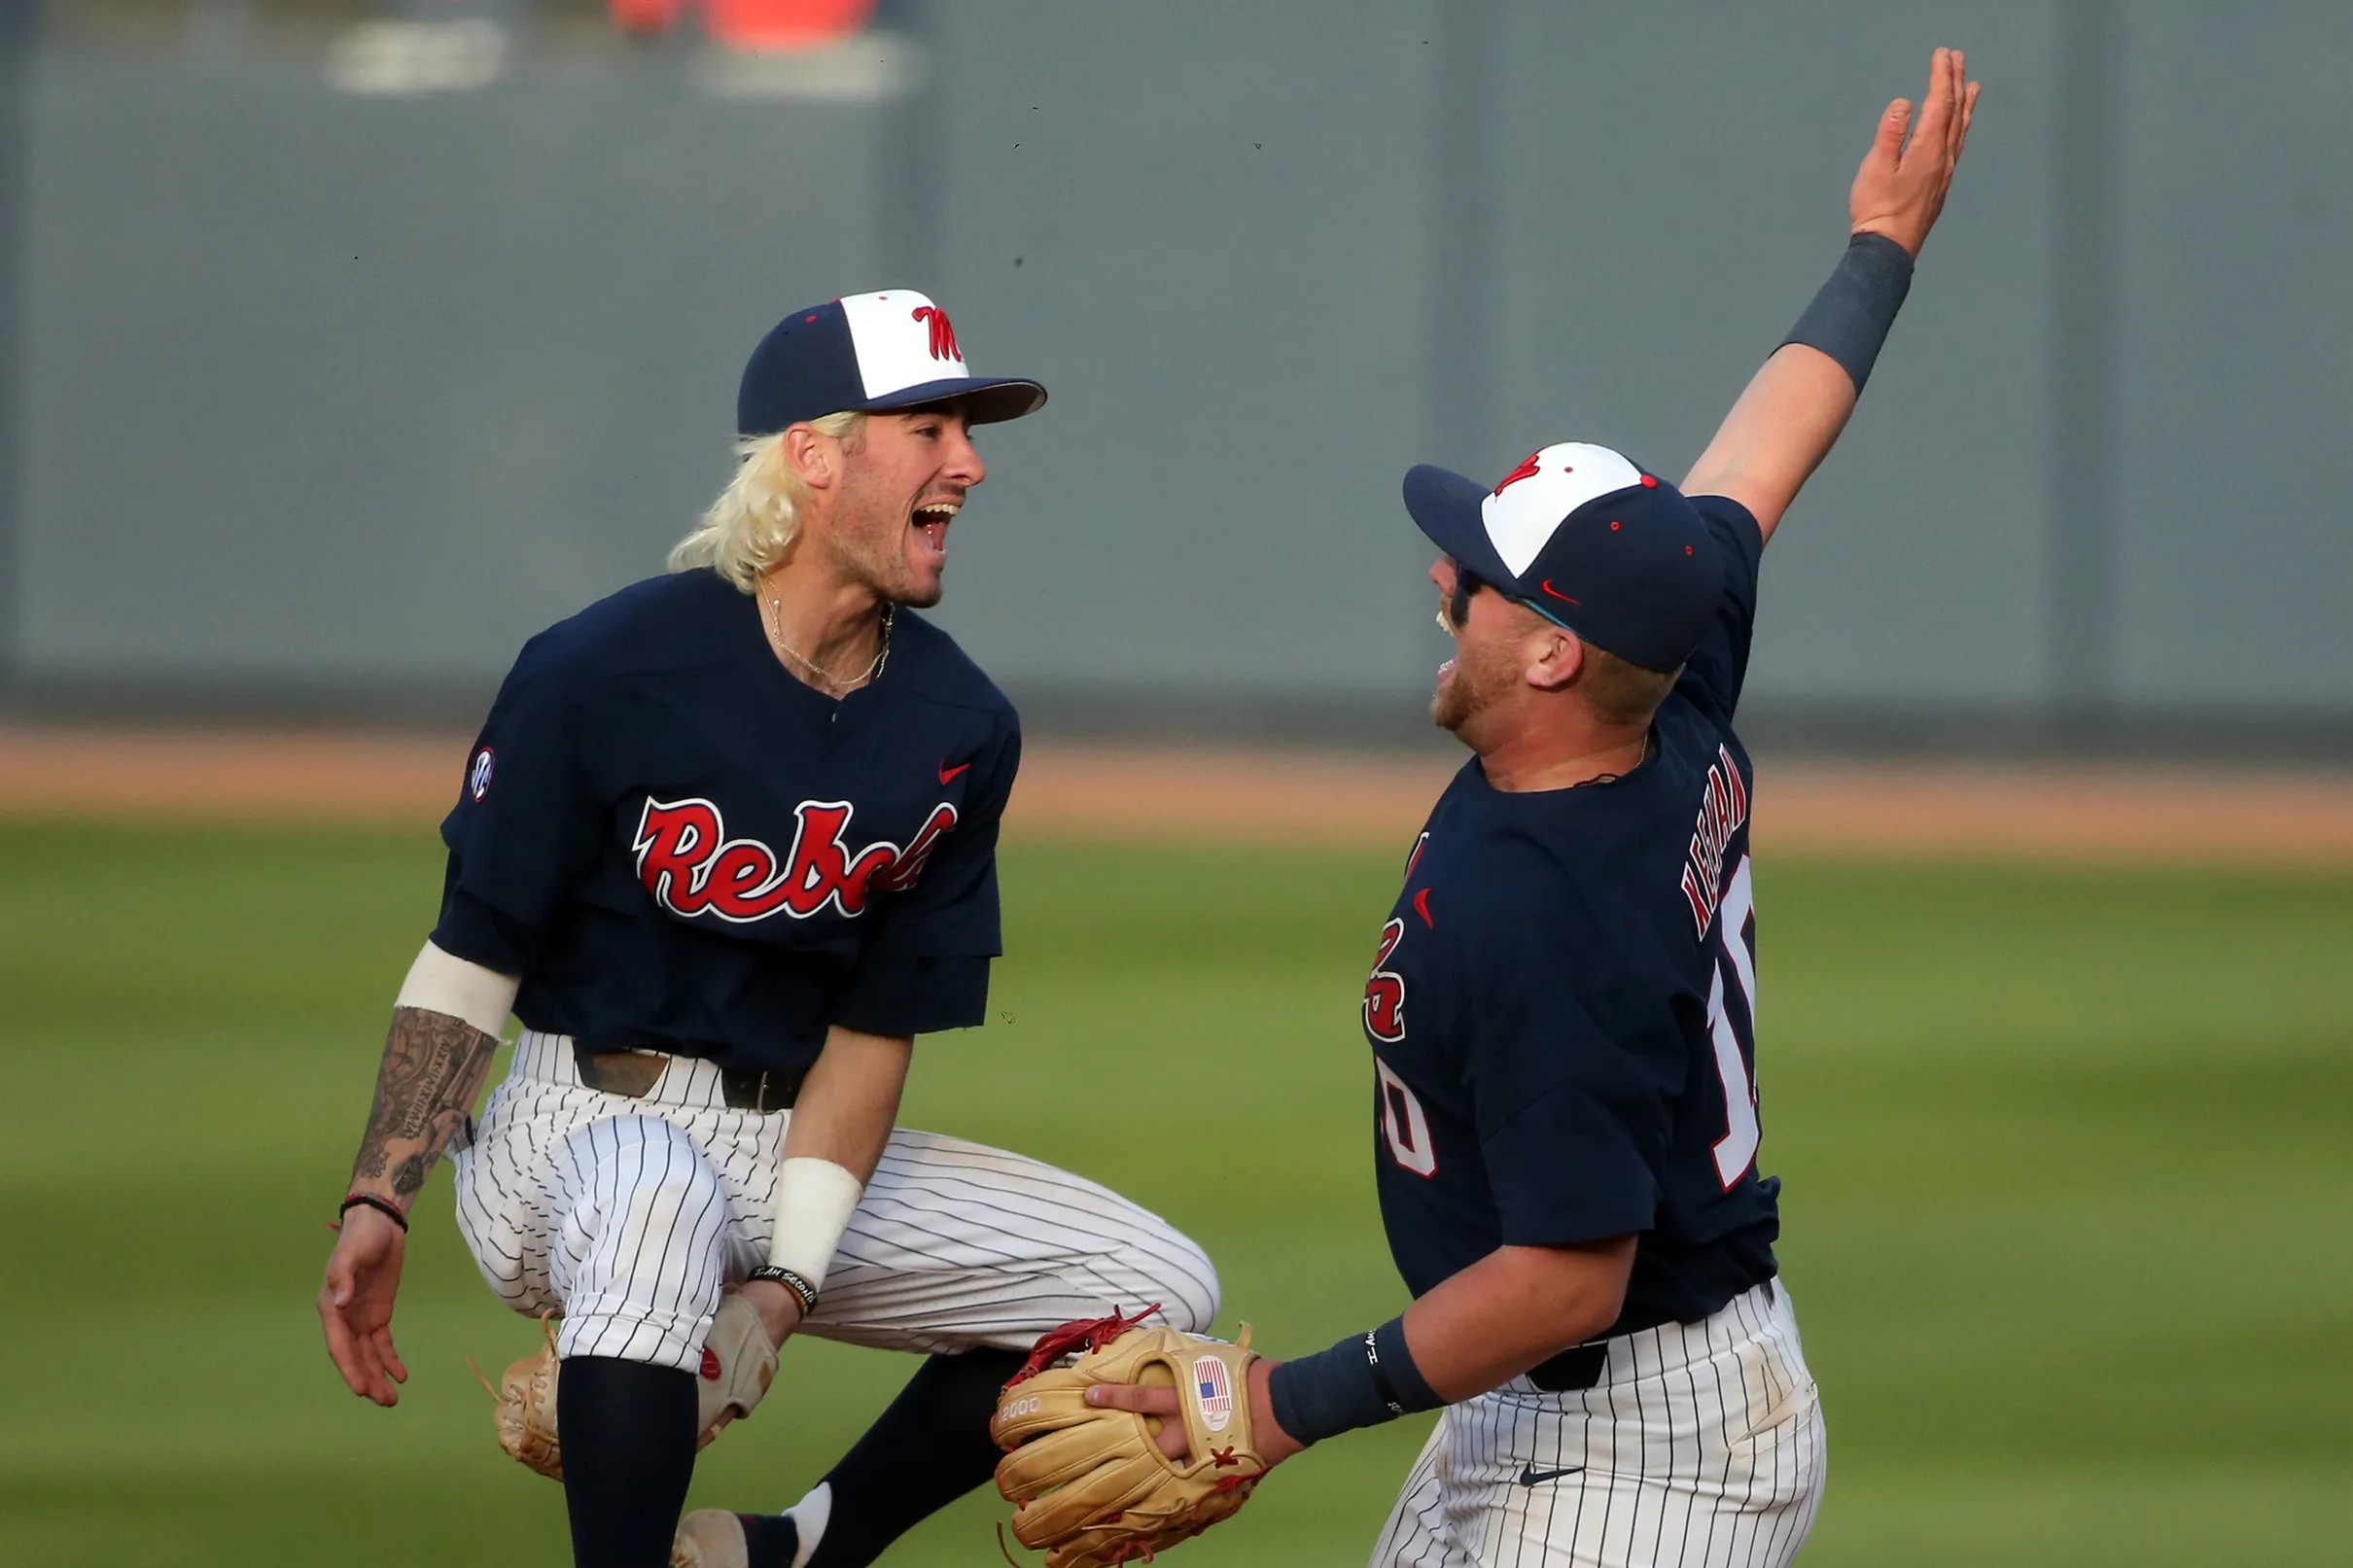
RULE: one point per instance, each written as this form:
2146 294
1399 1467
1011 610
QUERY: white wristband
814 1201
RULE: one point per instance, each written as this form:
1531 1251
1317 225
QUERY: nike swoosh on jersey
1533 1476
947 775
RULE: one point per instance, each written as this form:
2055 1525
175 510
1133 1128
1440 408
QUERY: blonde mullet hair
749 528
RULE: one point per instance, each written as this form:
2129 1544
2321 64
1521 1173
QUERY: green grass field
2066 1157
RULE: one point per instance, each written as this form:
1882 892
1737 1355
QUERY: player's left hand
1899 189
1274 1445
355 1304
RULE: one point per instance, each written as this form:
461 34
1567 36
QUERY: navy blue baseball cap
1587 540
870 353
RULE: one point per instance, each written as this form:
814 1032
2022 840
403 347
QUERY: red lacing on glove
1094 1333
1221 1458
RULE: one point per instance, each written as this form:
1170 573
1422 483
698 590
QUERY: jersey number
1735 1058
1404 1125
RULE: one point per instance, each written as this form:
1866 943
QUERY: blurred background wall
345 345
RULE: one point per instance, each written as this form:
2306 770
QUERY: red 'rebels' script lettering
901 877
943 332
692 867
1385 990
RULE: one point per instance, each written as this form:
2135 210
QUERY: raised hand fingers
1888 141
1937 107
1961 104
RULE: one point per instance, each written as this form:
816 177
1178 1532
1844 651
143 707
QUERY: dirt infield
1810 808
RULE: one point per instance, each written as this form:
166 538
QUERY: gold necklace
1640 757
882 654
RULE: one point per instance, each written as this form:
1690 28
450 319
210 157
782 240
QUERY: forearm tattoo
434 1065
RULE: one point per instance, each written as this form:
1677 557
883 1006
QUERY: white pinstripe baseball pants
628 1217
1702 1445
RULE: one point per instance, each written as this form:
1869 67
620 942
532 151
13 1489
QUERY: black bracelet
792 1280
383 1206
1850 317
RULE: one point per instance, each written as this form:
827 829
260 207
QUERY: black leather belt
1581 1366
634 1073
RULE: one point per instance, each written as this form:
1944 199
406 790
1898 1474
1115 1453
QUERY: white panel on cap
1521 515
902 340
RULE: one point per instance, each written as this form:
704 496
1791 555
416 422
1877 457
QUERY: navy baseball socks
628 1435
928 1448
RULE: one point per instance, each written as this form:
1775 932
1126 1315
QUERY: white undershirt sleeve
441 982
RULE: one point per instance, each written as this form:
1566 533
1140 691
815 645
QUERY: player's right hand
1900 190
355 1304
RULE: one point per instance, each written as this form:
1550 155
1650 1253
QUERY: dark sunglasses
1469 582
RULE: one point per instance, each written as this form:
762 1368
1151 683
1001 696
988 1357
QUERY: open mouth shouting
931 520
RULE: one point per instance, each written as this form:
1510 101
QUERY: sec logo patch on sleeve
477 774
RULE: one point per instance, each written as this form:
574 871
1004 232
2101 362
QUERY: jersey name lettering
689 864
1722 810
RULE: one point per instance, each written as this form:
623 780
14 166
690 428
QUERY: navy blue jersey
679 847
1560 1009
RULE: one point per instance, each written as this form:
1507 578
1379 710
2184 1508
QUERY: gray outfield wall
324 401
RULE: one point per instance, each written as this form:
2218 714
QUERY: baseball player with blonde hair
725 845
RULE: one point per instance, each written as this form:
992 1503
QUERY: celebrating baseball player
1562 1014
726 843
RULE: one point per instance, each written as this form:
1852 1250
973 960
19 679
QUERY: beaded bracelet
792 1280
383 1206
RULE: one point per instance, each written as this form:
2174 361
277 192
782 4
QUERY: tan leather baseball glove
738 1366
1089 1486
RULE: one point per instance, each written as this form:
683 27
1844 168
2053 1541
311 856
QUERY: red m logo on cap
1526 470
943 332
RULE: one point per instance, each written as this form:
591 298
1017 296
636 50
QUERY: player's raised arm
1792 410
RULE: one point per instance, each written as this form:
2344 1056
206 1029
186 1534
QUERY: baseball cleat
710 1538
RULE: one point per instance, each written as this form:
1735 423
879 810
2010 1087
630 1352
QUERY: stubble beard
905 591
1448 708
877 554
1474 701
1457 700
